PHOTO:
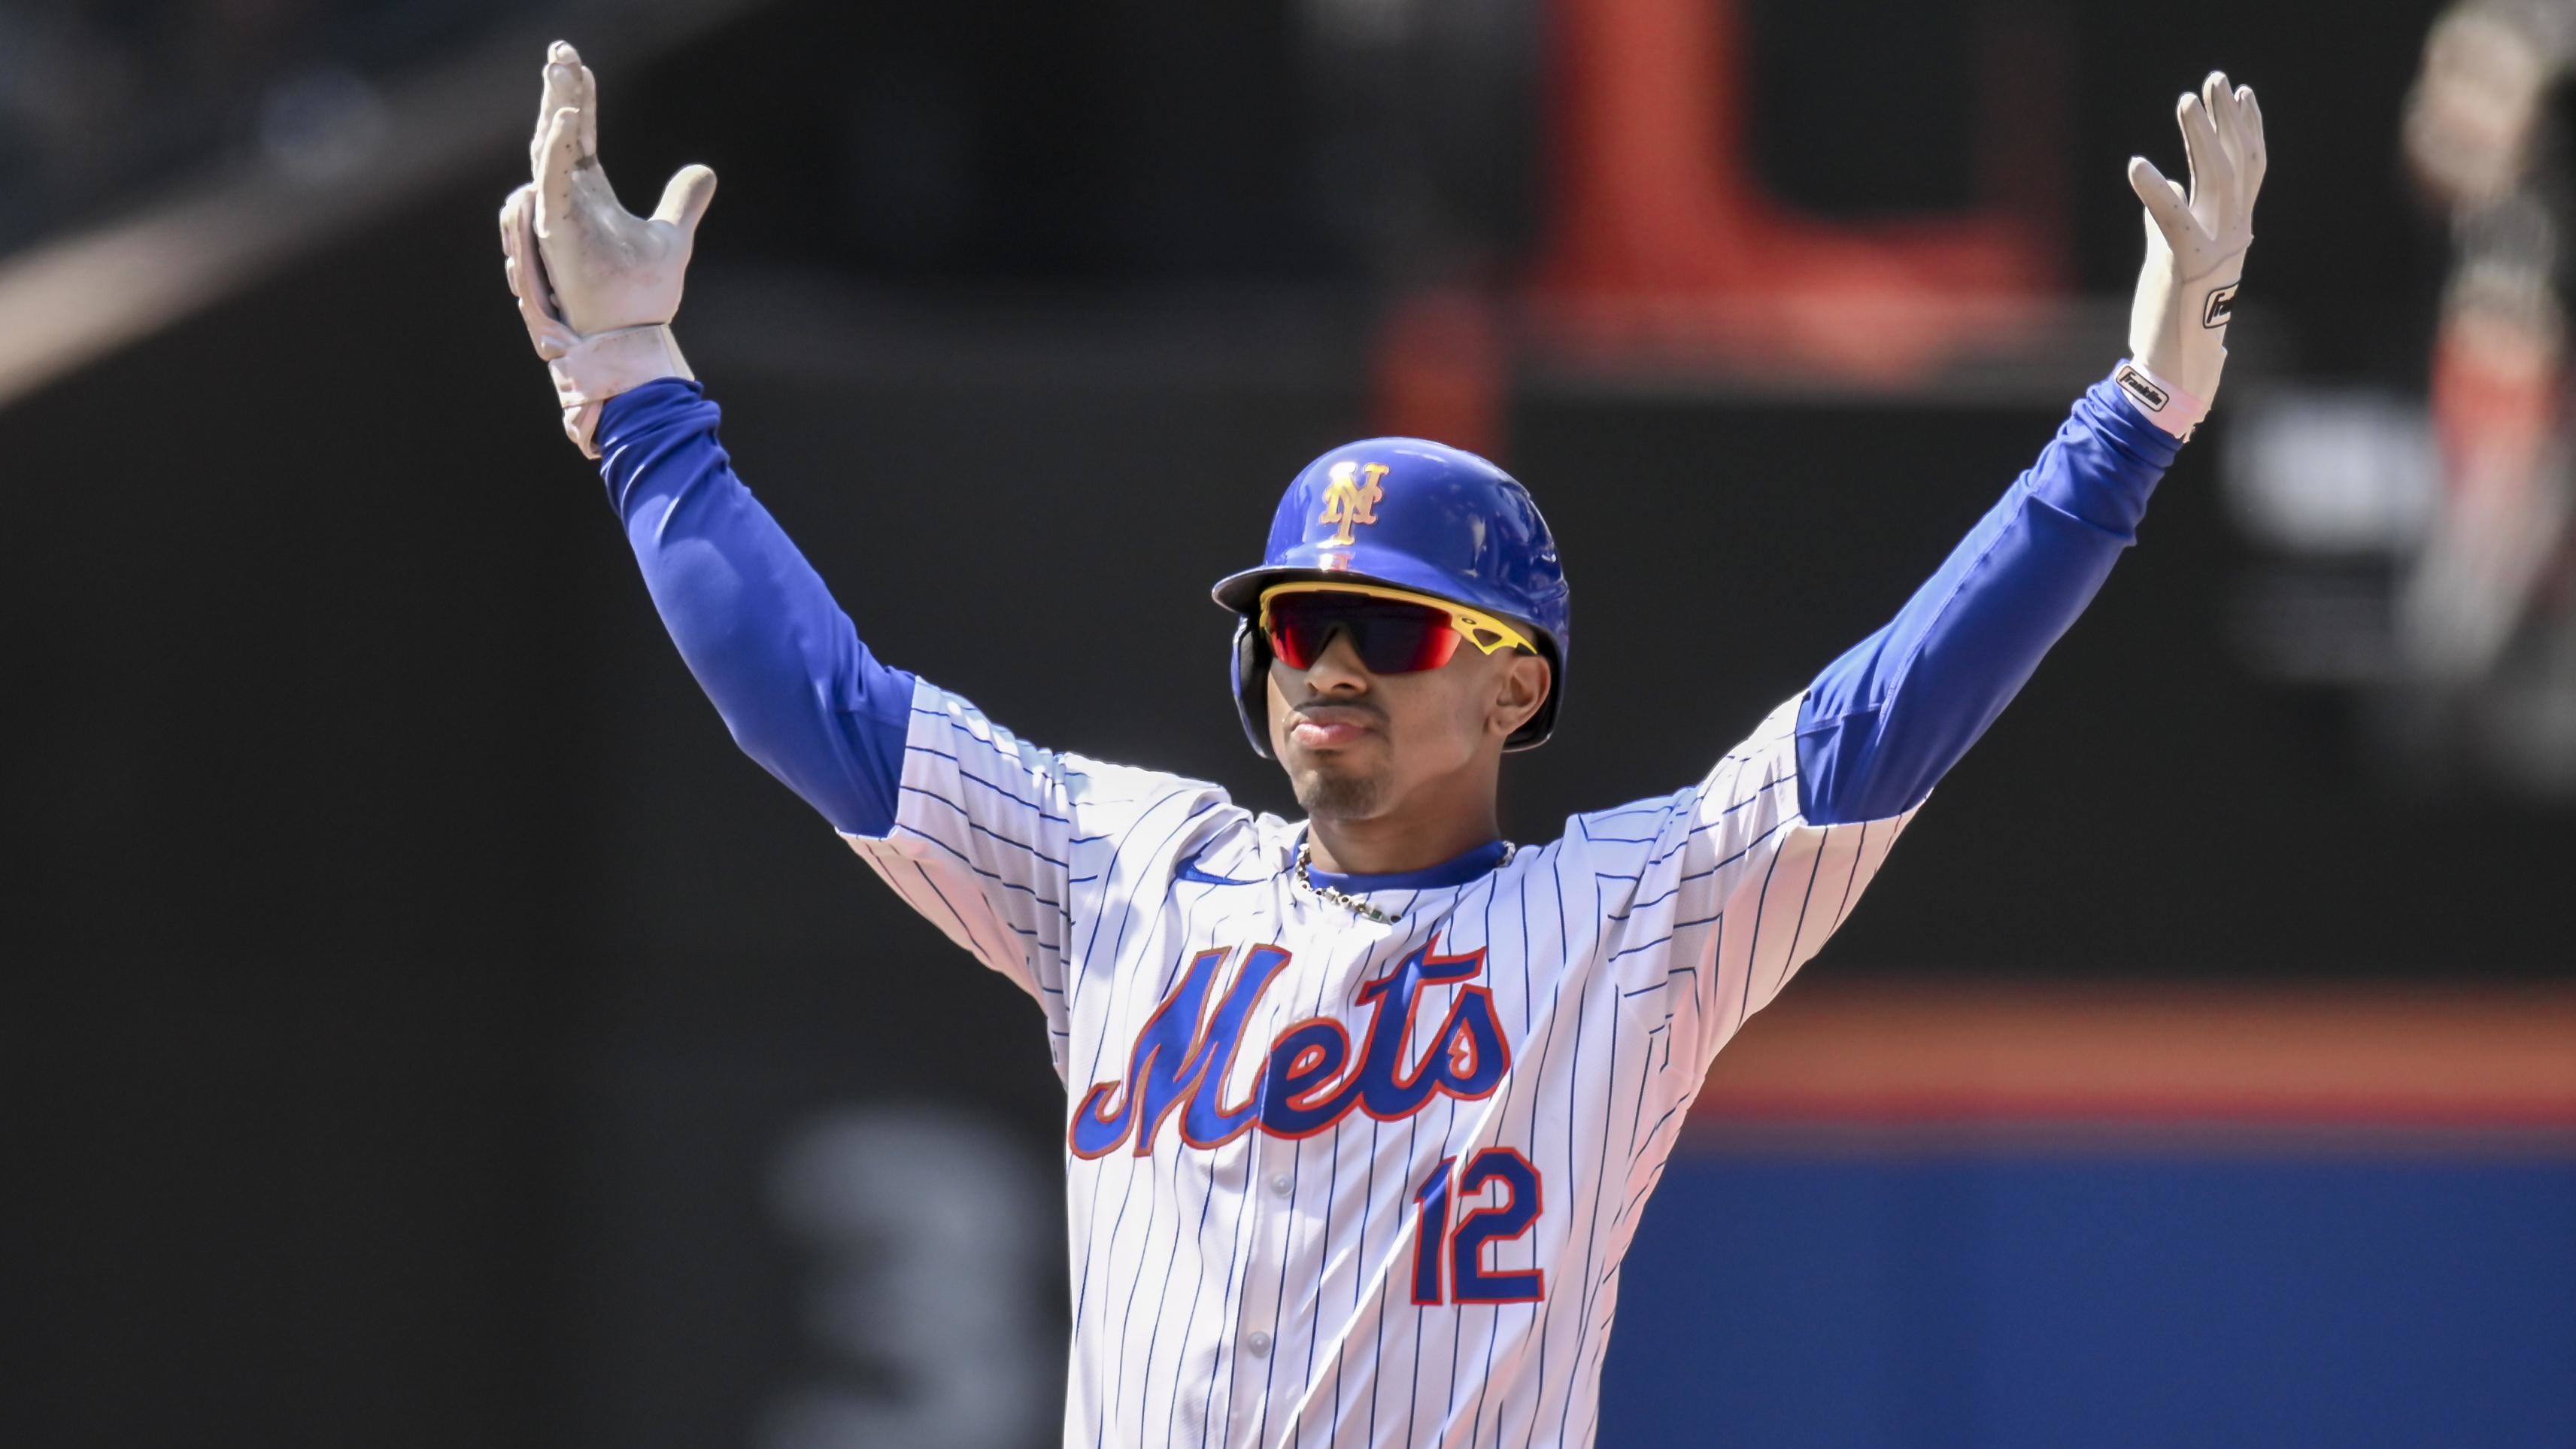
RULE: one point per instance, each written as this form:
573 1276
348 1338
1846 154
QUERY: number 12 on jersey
1458 1249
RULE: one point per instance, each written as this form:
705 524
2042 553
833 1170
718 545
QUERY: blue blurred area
1966 1298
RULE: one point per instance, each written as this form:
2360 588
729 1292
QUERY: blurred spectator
97 102
2483 613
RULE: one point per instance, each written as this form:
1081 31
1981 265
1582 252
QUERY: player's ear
1517 696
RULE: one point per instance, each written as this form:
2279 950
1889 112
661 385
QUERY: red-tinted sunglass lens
1423 640
1391 637
1292 639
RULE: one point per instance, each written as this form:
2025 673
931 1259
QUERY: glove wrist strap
2165 404
604 364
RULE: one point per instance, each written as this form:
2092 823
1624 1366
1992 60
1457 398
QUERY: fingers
2211 175
563 77
557 154
580 90
510 237
2229 169
522 263
2164 201
2253 157
524 266
685 199
2239 142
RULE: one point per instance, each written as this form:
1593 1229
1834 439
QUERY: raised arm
756 624
973 827
1882 724
597 288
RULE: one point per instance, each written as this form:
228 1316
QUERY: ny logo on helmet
1352 497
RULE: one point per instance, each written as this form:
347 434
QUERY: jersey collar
1456 870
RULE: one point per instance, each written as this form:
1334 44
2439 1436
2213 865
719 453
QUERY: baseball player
1360 1109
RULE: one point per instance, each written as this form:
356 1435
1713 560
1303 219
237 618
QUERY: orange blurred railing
2426 1057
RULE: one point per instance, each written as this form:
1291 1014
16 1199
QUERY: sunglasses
1393 631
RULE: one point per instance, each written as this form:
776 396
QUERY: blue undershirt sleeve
752 619
1882 724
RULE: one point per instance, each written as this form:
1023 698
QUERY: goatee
1345 797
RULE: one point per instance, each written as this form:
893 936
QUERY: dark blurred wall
1868 109
417 1001
304 798
1153 140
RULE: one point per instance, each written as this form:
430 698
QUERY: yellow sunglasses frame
1468 622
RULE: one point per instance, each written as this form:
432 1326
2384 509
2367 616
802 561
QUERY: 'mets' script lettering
1311 1078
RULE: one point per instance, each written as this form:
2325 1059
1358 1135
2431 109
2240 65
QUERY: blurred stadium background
424 1029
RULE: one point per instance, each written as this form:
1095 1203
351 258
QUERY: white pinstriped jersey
1336 1182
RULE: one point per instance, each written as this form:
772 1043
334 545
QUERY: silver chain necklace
1352 903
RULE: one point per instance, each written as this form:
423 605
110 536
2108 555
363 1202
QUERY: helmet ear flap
1251 684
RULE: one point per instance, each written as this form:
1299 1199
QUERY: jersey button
1258 1344
1280 1184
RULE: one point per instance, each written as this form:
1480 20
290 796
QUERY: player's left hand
597 285
2196 242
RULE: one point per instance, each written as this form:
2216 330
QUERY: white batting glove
597 285
2196 243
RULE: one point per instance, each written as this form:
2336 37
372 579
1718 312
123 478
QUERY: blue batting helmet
1408 514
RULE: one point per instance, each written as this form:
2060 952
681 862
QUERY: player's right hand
597 285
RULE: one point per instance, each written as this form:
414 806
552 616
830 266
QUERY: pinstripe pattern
1259 1292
